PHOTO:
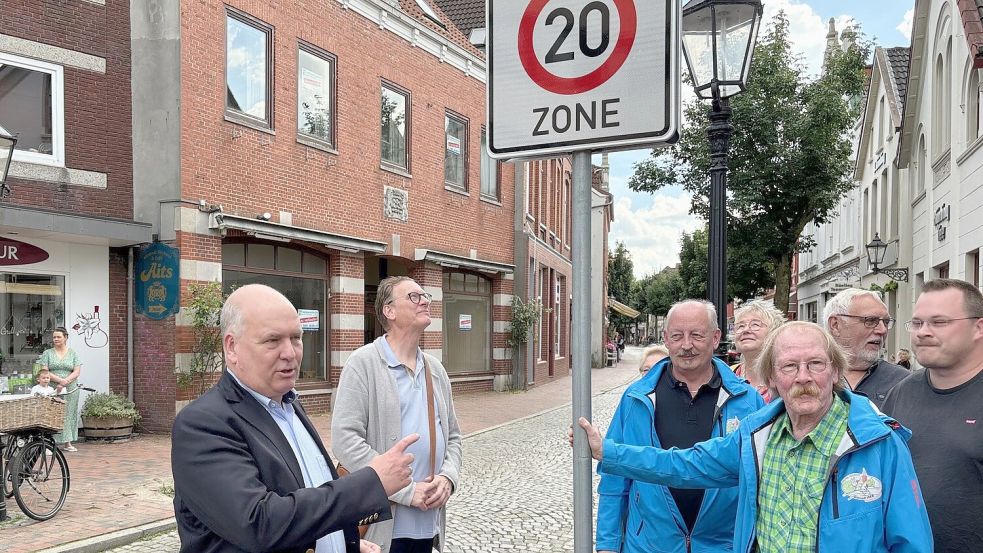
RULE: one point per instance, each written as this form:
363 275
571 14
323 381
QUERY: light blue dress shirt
313 465
410 522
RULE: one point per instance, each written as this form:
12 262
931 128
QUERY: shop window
316 95
395 127
467 322
456 151
30 307
280 268
248 69
489 171
32 108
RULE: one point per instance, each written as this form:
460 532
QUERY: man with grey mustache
859 320
820 470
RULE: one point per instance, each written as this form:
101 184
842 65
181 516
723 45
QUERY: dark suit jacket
238 486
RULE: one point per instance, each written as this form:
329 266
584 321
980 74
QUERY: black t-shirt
683 421
947 448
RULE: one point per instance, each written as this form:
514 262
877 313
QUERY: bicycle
35 472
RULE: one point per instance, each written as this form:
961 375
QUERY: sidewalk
128 485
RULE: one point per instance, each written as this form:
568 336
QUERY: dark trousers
409 545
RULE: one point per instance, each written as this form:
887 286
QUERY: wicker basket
32 412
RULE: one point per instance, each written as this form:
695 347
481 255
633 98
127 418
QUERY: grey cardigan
365 422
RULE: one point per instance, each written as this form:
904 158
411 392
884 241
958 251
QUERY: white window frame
57 156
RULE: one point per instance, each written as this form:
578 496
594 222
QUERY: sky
650 225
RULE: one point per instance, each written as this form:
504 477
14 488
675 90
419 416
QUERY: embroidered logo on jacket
732 424
861 486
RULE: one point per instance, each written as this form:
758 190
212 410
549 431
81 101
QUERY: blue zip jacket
638 517
872 501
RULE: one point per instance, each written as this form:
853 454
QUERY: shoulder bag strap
430 416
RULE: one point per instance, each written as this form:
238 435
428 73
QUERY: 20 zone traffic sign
568 75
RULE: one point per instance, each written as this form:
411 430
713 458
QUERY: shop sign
464 322
310 319
158 281
940 220
15 252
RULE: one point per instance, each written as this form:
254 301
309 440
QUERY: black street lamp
7 143
876 250
718 42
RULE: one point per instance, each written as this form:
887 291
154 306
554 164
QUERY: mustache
803 390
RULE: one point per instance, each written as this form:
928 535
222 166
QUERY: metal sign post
580 76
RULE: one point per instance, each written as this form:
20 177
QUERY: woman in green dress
64 365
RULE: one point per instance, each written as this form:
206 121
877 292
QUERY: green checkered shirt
792 482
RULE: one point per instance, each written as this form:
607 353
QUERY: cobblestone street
517 494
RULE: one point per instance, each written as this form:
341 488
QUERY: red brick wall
256 172
97 106
154 385
116 315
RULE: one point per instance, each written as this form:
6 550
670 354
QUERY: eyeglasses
815 366
750 325
915 325
415 297
871 322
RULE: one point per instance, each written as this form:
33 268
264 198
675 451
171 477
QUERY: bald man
250 472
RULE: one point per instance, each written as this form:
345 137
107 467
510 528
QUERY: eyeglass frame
888 321
798 367
739 327
915 325
419 296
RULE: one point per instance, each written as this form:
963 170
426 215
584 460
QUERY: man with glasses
391 388
683 399
943 406
859 321
820 470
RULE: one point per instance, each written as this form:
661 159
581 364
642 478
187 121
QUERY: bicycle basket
32 412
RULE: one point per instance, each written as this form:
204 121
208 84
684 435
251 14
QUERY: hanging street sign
567 75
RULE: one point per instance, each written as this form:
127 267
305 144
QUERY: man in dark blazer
250 472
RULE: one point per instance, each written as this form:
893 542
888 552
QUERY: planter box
107 427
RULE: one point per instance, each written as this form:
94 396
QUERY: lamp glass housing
7 144
718 42
876 250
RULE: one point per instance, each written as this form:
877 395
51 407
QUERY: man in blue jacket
819 471
684 399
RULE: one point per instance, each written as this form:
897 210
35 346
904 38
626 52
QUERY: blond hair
659 349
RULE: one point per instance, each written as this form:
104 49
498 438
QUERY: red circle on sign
575 85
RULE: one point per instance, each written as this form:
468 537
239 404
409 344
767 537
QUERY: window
489 172
557 309
248 69
316 95
32 108
31 306
456 151
973 93
429 12
395 127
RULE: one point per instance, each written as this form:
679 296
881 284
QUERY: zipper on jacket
836 503
689 543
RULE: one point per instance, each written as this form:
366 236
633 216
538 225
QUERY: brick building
260 156
66 226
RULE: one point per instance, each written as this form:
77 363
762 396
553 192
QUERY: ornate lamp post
718 42
875 257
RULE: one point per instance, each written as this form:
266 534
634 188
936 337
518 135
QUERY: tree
748 271
659 291
789 157
621 280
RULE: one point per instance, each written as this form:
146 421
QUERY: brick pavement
120 485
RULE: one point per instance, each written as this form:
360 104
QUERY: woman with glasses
753 321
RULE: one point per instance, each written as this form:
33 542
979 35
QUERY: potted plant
108 415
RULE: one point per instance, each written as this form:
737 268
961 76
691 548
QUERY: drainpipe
129 323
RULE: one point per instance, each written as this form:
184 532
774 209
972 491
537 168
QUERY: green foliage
204 307
621 282
658 292
110 405
789 158
524 316
891 286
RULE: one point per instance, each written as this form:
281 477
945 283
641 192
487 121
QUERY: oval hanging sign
15 252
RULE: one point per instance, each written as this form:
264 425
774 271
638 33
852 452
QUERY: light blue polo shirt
312 464
410 522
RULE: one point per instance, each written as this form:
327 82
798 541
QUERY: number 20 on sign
567 75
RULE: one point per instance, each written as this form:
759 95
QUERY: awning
457 261
285 233
622 308
72 227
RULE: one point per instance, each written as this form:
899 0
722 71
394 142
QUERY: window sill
253 124
57 174
491 200
317 144
395 170
970 150
456 189
918 198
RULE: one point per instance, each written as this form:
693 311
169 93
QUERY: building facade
262 159
67 224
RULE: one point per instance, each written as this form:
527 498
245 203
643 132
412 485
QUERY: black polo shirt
682 421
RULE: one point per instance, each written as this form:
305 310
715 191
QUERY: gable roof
467 15
909 118
449 29
898 59
890 67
